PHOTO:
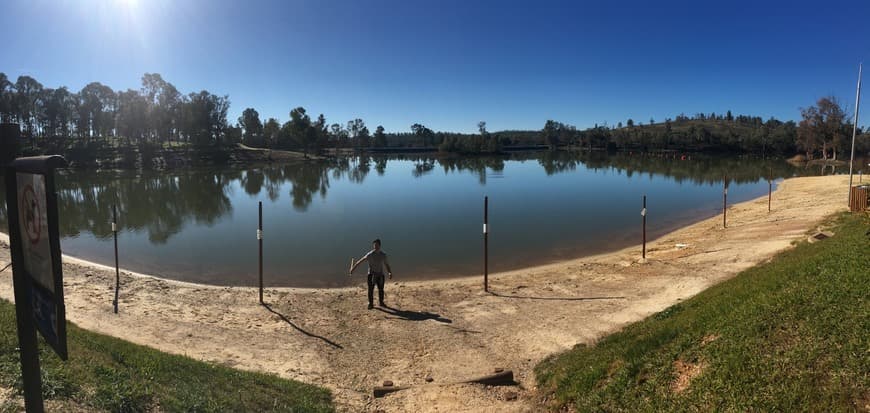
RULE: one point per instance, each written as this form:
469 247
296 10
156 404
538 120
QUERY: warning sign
34 229
35 246
32 215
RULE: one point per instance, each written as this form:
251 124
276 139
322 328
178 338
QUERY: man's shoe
371 306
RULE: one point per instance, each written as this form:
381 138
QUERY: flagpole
854 130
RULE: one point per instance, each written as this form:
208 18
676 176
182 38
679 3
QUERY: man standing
377 260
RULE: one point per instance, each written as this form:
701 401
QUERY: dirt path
444 330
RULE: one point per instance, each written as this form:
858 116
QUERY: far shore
438 332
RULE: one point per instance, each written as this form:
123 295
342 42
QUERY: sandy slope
446 330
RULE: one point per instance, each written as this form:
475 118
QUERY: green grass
106 373
789 335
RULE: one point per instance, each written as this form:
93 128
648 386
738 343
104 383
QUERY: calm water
201 225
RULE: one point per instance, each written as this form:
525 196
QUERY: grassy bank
105 373
789 335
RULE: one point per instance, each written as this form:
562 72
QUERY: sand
446 331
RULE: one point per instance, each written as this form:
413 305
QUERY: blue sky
449 64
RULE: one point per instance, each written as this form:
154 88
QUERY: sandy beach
439 332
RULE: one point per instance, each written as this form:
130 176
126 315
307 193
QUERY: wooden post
117 270
769 193
725 201
28 347
643 214
485 244
260 242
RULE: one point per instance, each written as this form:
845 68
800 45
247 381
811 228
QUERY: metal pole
643 214
854 130
725 202
485 244
260 241
769 187
117 270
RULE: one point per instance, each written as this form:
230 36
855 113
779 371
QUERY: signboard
31 205
33 224
35 242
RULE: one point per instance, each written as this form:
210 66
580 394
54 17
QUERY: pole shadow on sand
413 315
526 297
299 329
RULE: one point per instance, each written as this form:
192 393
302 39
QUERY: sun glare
128 3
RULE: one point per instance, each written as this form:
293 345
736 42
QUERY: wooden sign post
37 274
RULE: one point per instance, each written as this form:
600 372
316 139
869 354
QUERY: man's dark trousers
376 278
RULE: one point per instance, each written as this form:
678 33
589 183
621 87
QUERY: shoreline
447 329
616 245
84 262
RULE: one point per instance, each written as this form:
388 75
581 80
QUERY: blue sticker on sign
45 314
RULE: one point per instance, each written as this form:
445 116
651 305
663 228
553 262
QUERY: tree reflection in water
162 203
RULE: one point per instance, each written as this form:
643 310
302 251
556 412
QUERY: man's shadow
299 329
413 315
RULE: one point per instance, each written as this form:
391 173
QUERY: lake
200 225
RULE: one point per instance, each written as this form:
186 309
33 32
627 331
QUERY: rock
429 379
388 383
510 396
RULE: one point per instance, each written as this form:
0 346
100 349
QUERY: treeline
823 132
156 113
158 116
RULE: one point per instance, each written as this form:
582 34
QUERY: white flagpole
854 130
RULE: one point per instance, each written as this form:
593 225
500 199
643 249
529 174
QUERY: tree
629 123
132 119
337 133
380 138
56 114
822 127
364 137
96 110
354 129
252 128
321 130
233 135
425 134
164 103
271 131
7 94
205 118
27 91
481 127
550 133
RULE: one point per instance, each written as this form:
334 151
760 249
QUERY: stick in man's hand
350 269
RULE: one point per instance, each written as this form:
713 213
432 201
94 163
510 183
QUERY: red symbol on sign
32 217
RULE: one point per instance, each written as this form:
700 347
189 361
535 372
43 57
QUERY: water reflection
161 203
192 224
152 203
698 169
